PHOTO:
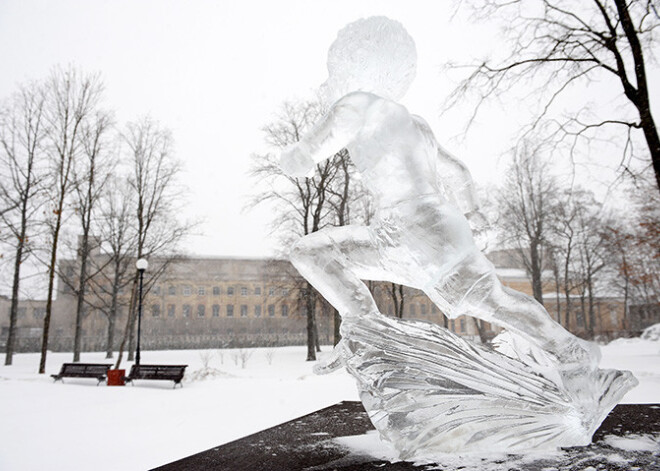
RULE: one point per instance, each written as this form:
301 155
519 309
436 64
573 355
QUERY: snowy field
78 426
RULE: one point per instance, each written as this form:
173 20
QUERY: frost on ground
634 442
150 424
612 453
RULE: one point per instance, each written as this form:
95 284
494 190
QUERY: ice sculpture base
429 391
311 443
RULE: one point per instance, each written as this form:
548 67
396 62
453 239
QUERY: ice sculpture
426 389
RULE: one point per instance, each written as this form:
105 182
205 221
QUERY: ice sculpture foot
430 391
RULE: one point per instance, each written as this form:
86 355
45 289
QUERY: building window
580 318
257 311
285 291
21 311
452 325
216 291
201 291
171 310
434 308
271 291
413 310
171 290
187 290
422 308
155 310
230 310
463 325
257 290
201 310
157 290
285 310
271 310
216 310
243 291
230 331
230 291
243 310
187 309
39 312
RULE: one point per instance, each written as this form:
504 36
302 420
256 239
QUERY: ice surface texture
426 389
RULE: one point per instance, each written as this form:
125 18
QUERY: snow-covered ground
79 426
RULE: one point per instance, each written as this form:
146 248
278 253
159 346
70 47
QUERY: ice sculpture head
375 55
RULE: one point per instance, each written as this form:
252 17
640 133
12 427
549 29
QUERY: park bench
83 370
166 372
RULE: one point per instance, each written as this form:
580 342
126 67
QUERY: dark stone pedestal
307 443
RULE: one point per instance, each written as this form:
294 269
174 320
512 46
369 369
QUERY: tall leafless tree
633 240
158 196
91 173
305 205
116 233
559 45
22 131
71 98
526 203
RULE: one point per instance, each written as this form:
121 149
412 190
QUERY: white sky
214 72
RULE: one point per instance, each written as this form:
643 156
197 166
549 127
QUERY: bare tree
91 174
71 98
582 252
591 255
564 248
158 196
305 205
22 130
116 232
633 239
526 202
559 45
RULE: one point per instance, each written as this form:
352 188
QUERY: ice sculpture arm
456 178
333 133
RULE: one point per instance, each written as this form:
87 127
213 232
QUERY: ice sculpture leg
476 291
335 261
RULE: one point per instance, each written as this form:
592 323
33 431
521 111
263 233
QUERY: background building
226 302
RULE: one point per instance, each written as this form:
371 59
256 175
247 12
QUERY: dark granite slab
307 443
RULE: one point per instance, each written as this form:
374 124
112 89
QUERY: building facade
196 302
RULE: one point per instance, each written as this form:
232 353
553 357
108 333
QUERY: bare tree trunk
537 283
309 305
51 286
80 301
129 322
398 299
112 317
479 324
337 324
13 312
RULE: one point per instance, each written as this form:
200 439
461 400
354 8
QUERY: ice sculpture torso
427 390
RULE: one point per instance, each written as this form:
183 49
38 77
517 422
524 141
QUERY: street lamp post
141 265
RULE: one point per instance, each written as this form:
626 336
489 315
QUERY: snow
150 424
634 442
652 333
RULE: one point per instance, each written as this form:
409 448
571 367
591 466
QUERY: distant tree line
590 249
74 181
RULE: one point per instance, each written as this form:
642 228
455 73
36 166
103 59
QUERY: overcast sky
215 72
